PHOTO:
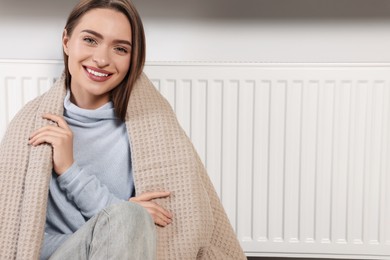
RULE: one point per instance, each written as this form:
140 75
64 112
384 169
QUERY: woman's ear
65 40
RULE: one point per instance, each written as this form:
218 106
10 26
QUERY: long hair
120 95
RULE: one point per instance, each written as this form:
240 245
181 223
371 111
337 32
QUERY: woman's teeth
97 73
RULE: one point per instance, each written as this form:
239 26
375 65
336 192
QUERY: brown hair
120 95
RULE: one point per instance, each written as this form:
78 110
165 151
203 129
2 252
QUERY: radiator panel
298 153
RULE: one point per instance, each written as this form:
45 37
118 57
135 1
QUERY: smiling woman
98 51
118 32
120 172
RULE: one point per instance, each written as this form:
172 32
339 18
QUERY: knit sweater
100 176
163 159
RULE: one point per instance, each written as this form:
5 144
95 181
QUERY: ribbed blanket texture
163 159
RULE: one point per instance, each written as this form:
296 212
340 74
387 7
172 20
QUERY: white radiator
298 153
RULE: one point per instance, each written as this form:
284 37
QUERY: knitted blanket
163 159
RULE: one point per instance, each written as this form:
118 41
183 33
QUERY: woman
115 157
99 45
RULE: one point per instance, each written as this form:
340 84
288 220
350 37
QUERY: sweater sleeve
86 191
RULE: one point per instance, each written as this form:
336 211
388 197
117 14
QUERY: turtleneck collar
88 115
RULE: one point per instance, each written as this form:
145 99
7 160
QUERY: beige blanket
163 160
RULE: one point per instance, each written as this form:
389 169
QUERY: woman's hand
60 137
161 216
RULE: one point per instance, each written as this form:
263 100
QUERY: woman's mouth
97 74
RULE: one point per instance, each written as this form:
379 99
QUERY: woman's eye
121 50
89 40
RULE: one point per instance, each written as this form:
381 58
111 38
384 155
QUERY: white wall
220 30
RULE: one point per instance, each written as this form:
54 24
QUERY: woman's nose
101 57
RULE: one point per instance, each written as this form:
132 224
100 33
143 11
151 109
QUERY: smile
97 75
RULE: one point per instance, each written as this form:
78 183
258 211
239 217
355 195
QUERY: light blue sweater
101 175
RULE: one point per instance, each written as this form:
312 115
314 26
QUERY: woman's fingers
60 137
159 211
57 119
45 137
47 129
153 195
160 215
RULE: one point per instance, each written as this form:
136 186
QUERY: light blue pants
122 231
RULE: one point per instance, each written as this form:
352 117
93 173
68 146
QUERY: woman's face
98 51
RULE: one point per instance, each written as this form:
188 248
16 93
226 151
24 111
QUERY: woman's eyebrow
98 35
